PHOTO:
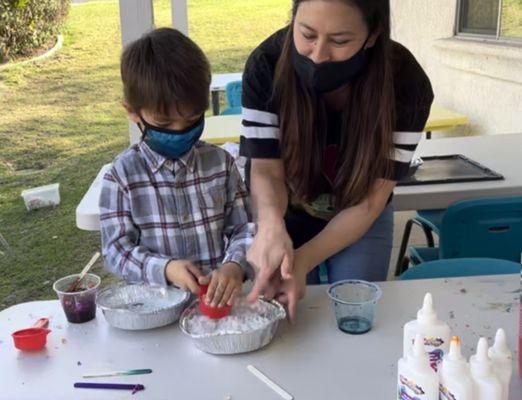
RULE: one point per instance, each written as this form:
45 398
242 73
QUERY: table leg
215 102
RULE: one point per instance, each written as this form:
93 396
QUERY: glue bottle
416 378
486 385
501 358
436 333
455 378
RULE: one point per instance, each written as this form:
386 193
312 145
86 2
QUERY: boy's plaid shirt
153 210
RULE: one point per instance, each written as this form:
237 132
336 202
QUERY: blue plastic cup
354 303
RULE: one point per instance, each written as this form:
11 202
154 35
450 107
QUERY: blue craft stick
120 373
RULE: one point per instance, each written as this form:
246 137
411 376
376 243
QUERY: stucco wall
480 79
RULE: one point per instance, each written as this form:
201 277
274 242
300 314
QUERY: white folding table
311 360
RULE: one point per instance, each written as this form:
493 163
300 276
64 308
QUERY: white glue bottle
416 379
455 378
486 386
502 358
436 333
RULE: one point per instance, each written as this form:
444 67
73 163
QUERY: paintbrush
120 373
86 269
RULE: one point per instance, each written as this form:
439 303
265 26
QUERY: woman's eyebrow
340 33
344 33
307 26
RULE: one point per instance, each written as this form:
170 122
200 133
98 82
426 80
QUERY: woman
333 111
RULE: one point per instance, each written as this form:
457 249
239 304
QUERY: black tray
450 169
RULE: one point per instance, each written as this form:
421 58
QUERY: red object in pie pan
211 312
33 338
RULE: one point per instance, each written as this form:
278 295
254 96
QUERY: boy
173 209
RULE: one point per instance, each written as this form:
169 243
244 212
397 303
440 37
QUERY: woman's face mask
328 76
329 41
170 143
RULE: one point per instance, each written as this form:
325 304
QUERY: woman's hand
292 290
271 253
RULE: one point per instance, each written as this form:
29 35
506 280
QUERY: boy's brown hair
163 70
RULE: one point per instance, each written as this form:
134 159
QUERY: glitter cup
354 303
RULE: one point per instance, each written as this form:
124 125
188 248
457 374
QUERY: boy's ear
134 117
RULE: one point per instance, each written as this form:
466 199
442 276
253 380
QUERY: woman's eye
308 37
340 42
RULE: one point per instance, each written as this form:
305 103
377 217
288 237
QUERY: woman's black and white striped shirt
260 127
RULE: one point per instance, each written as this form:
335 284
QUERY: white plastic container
42 196
486 386
436 333
454 374
416 379
502 359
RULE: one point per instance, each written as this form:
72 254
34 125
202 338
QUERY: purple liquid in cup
79 306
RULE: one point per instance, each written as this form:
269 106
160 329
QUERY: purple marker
118 386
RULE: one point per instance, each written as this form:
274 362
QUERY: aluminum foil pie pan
249 327
140 306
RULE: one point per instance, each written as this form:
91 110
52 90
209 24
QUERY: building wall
481 79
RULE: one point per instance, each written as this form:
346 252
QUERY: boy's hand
225 284
185 274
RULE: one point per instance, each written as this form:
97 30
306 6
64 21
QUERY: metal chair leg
401 266
404 246
429 235
405 263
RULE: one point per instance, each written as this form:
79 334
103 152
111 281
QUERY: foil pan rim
281 314
121 285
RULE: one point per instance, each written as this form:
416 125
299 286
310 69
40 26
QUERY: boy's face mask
328 76
170 143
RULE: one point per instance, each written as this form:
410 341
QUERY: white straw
271 384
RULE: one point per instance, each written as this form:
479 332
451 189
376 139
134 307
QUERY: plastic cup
79 306
354 303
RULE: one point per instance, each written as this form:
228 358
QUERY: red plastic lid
203 289
213 312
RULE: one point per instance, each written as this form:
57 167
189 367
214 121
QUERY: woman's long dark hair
367 119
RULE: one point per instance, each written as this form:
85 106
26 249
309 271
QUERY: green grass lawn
62 120
512 18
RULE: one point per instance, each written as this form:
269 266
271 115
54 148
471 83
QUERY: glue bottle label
409 390
433 345
445 394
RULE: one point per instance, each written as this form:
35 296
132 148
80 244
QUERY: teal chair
454 267
489 227
233 96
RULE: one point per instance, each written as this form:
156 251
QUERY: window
490 18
